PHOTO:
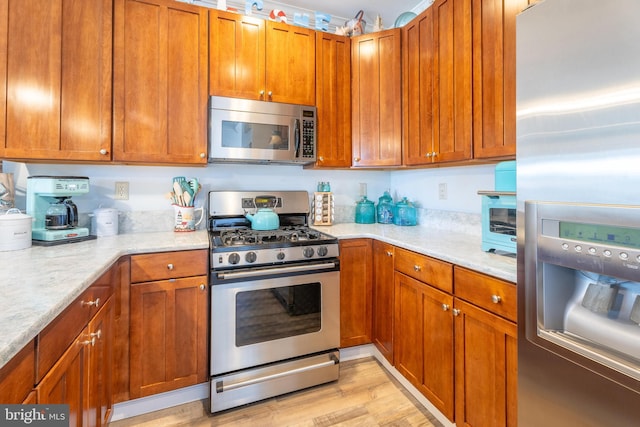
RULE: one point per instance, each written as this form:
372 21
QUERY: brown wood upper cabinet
256 59
494 72
437 88
160 82
452 90
333 100
55 76
376 99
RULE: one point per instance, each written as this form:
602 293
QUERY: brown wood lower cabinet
17 376
423 331
356 273
168 335
81 377
486 350
383 298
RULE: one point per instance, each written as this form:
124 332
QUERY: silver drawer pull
389 253
95 303
417 268
445 307
456 312
169 266
496 299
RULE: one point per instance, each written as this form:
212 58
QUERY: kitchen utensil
405 213
365 211
384 210
15 230
187 198
177 190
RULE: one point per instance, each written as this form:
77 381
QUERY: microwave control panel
308 134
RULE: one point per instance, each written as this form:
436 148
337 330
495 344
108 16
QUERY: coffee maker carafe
61 214
55 214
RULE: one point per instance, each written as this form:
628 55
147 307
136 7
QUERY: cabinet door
290 65
418 80
18 375
383 298
168 337
437 344
408 328
67 381
236 55
333 100
355 291
55 76
376 99
494 77
160 82
452 94
486 368
99 400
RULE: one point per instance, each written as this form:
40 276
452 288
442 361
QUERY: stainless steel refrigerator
578 201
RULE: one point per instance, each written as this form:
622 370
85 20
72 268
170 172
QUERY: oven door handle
221 387
276 270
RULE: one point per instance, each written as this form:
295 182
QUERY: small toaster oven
499 211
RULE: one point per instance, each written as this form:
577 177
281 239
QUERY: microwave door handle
296 137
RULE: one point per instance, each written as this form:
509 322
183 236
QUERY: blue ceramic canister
384 209
365 211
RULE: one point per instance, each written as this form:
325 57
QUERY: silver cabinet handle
417 268
202 287
203 155
389 253
261 93
356 159
321 159
496 299
456 312
428 155
169 266
91 342
103 151
270 94
97 334
445 307
95 303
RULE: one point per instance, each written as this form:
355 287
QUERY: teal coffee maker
55 215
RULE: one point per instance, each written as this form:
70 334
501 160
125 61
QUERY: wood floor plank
364 396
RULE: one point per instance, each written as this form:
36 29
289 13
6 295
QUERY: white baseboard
181 396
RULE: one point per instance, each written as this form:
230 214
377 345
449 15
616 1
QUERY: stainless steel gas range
275 299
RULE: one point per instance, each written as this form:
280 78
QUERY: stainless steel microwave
246 131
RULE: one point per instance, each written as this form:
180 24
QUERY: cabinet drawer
18 375
168 265
426 269
494 295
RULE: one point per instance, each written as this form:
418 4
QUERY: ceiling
340 10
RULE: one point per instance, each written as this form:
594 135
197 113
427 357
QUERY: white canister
15 230
104 222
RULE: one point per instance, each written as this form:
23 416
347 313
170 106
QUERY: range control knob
251 257
307 252
234 258
280 256
323 251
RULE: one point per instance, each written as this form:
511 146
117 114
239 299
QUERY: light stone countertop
458 248
38 283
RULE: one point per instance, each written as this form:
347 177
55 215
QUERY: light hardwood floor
365 395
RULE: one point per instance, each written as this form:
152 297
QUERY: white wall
462 183
149 184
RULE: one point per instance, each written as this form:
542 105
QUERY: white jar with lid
104 222
15 230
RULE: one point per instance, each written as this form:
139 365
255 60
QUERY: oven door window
270 314
236 134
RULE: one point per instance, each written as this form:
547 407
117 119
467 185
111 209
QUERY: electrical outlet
122 191
442 191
